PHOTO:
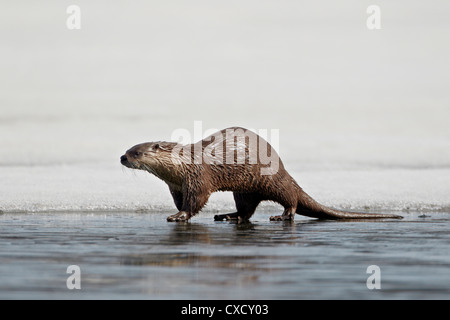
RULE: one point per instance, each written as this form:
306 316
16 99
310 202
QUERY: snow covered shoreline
89 187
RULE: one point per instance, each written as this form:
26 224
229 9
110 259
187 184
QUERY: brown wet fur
191 184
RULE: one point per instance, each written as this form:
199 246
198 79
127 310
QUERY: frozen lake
141 256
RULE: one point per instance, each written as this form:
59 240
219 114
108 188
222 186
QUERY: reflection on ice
124 255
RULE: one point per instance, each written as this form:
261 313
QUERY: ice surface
363 115
87 187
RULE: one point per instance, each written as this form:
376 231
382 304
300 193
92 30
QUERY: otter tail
307 206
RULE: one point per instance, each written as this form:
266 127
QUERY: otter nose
123 158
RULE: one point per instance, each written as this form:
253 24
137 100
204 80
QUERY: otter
233 159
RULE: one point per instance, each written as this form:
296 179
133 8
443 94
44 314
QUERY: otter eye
155 147
137 153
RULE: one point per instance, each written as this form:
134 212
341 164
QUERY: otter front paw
180 216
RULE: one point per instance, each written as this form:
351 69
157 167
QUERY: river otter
234 159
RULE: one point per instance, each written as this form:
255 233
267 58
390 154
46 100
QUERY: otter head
142 156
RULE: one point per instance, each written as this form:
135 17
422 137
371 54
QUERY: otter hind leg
246 204
288 215
226 216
